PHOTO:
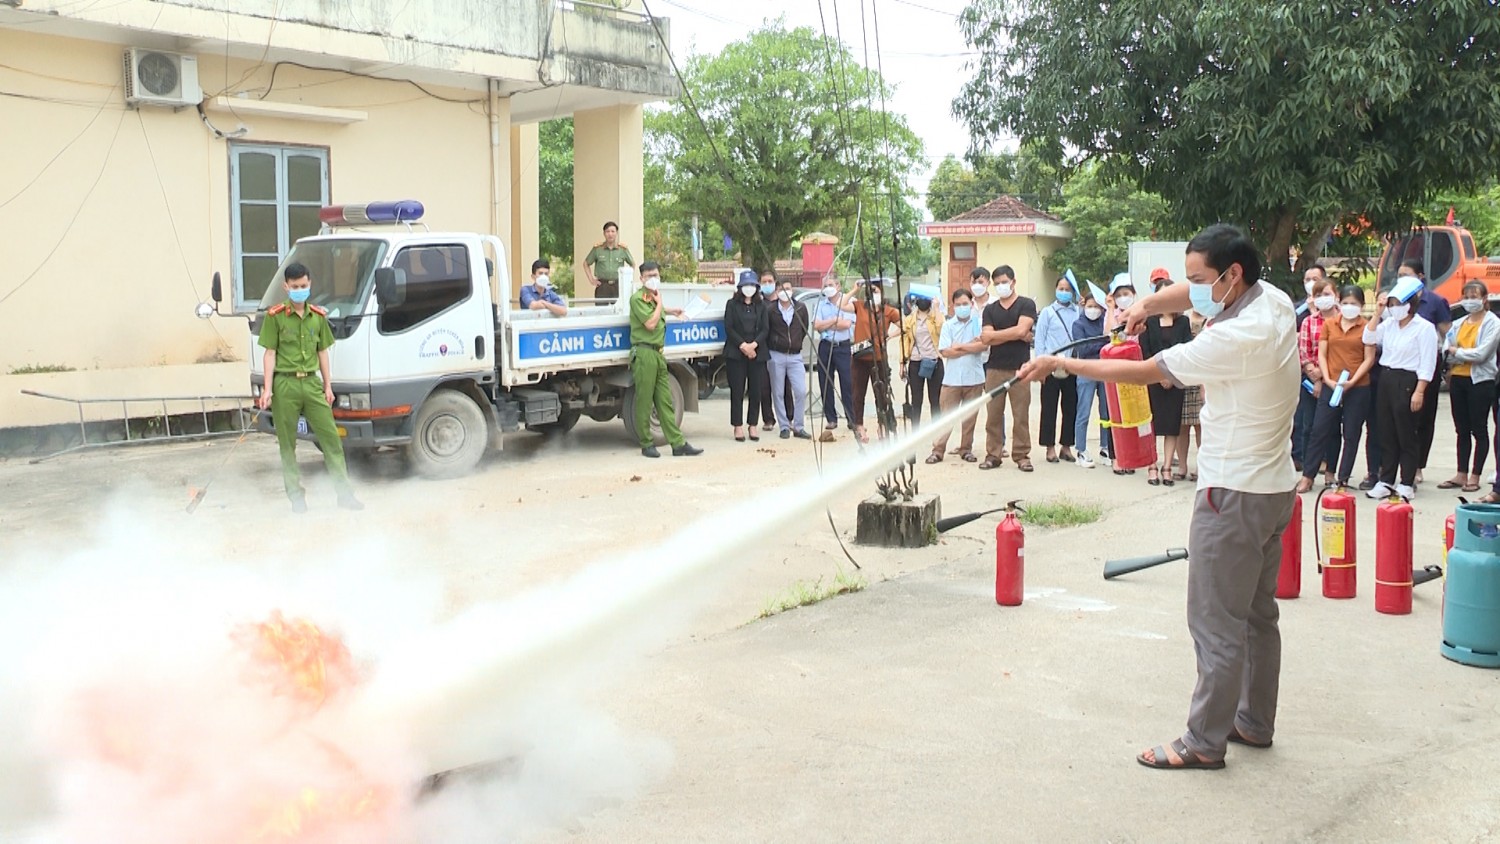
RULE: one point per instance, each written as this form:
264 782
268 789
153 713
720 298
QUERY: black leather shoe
650 451
786 433
1367 484
685 450
802 435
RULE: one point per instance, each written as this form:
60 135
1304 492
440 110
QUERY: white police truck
432 356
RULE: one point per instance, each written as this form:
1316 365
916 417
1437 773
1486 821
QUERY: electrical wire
103 166
65 148
187 272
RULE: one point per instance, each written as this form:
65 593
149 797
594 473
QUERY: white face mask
749 290
543 282
652 283
1308 286
1123 302
1093 312
830 291
1471 305
977 288
785 295
1397 312
876 299
1003 291
1324 303
1351 311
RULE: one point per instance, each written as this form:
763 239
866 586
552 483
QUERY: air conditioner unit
153 77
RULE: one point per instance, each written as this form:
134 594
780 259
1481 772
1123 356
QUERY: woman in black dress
1164 332
746 326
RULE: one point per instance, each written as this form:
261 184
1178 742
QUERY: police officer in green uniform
296 338
648 366
602 264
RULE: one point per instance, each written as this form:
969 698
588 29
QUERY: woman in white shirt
1408 351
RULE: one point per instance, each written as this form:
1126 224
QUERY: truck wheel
448 437
565 422
627 413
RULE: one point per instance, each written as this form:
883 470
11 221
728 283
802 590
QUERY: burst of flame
304 662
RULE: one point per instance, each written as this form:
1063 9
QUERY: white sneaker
1083 461
1104 458
1379 491
1406 492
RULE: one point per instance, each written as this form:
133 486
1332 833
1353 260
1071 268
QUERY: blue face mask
1202 296
767 289
299 294
962 311
1065 297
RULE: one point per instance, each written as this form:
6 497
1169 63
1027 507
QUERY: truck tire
565 422
448 437
627 413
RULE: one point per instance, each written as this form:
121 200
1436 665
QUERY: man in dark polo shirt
1008 320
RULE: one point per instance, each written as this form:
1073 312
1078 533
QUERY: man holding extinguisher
1244 358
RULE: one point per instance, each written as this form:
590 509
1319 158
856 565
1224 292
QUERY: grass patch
807 592
1061 513
40 368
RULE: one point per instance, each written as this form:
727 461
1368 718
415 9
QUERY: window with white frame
276 192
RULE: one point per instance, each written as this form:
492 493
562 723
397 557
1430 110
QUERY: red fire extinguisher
1129 412
1289 578
1010 557
1393 550
1336 529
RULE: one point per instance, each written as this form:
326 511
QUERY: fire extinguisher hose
1005 385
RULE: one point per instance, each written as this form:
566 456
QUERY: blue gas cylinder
1471 597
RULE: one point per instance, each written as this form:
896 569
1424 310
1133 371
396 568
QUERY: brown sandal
934 458
1187 759
1024 465
990 464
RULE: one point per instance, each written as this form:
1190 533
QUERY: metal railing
158 425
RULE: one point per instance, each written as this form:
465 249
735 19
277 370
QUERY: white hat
1121 280
1096 293
1405 288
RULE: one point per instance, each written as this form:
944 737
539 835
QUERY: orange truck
1448 255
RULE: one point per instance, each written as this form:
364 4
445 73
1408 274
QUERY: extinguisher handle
1015 506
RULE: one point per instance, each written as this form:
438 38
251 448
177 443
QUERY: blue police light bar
400 211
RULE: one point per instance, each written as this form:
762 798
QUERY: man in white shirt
1245 358
962 352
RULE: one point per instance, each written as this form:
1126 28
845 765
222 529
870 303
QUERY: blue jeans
1087 391
833 358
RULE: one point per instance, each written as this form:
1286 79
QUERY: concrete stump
898 524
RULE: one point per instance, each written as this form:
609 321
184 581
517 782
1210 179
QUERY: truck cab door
441 325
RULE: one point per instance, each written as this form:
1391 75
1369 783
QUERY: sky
922 51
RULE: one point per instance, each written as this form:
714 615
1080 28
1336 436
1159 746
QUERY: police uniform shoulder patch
619 245
276 309
599 244
318 309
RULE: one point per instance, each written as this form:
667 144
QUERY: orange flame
303 661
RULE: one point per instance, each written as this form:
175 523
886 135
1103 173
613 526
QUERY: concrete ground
916 710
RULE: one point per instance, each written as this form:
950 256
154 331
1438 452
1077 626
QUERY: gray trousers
786 368
1235 548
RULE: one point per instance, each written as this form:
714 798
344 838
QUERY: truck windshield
341 271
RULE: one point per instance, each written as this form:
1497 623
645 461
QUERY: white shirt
1412 347
964 370
1246 361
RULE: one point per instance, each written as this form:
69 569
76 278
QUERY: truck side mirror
390 287
216 290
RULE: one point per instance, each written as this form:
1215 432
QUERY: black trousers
767 411
1427 416
744 383
1055 391
916 385
1471 405
1400 447
1349 418
1372 435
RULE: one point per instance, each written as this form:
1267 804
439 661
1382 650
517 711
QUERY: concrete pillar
500 164
607 182
525 226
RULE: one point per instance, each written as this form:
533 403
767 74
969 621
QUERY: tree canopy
555 181
1106 217
1285 117
800 137
957 186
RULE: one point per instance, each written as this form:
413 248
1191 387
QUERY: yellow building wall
1027 256
115 219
